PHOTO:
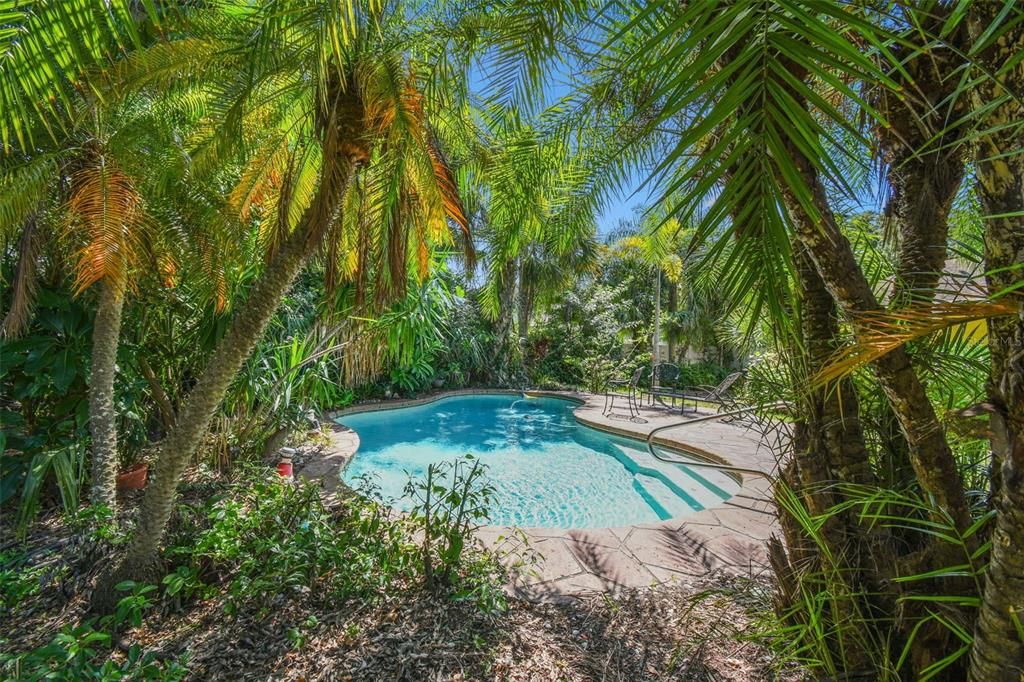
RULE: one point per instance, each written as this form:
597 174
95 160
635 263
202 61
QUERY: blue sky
624 204
618 211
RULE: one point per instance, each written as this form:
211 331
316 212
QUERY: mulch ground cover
698 631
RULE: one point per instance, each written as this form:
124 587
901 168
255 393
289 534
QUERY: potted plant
133 476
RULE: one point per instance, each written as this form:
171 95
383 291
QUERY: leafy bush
82 653
18 581
130 607
266 537
701 374
467 357
98 524
588 340
451 503
415 376
44 411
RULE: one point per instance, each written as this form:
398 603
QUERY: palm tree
324 98
58 149
997 38
538 208
105 204
545 270
781 115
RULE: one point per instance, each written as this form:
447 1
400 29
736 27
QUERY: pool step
665 501
697 488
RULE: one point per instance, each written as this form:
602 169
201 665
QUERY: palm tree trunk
673 306
926 159
106 332
925 155
924 186
828 448
245 332
506 304
525 309
194 418
838 410
656 336
998 652
931 457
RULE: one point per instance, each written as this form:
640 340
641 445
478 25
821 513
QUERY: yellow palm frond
884 331
260 177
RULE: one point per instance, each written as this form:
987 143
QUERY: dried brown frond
104 211
26 279
445 179
168 269
364 356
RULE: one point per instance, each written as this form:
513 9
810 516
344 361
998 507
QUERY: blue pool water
547 469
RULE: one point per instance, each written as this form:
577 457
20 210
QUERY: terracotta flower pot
133 478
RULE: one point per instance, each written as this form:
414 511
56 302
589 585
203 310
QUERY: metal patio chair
719 395
632 390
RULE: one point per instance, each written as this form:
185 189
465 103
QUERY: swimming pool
548 470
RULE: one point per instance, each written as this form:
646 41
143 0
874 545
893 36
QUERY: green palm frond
48 49
24 189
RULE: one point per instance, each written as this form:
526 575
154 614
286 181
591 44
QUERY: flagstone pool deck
730 538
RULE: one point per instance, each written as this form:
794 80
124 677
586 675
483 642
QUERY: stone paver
729 537
343 443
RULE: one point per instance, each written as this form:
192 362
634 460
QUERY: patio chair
718 395
632 387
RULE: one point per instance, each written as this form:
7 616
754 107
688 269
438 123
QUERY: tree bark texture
829 448
507 296
925 156
828 247
106 333
998 651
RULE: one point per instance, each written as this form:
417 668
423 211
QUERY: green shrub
18 580
450 504
264 537
82 653
98 524
267 537
45 412
702 374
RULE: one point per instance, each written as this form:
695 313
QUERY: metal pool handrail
709 418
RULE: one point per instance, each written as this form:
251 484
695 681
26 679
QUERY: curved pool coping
730 537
